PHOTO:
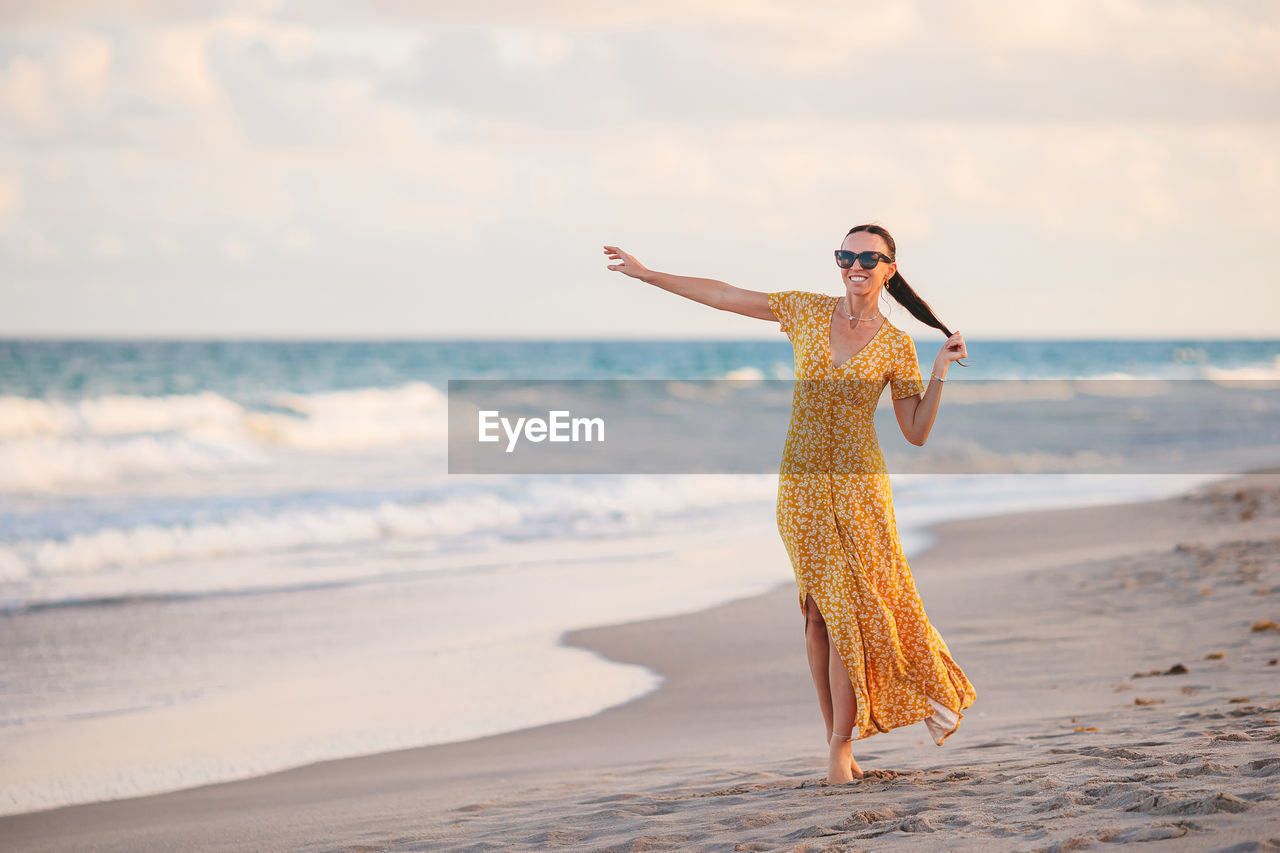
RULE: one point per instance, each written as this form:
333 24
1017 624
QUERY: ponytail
903 292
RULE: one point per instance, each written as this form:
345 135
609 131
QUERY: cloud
107 246
741 74
1230 43
235 249
10 196
24 96
83 66
152 12
285 144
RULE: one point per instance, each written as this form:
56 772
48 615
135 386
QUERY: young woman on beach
876 660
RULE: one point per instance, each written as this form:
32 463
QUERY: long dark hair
901 291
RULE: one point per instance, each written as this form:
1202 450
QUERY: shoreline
751 722
281 712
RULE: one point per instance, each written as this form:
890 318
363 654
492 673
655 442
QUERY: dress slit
856 674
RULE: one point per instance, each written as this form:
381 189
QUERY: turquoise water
250 371
110 449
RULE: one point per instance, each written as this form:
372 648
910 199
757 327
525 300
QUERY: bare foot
841 767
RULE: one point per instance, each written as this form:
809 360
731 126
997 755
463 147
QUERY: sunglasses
867 260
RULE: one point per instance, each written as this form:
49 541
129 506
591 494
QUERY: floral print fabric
835 515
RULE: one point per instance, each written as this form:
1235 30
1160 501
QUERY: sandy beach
1125 659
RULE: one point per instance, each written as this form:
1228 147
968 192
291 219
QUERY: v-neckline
830 348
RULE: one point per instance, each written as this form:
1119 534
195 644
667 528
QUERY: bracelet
937 377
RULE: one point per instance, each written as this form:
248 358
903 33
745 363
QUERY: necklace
850 317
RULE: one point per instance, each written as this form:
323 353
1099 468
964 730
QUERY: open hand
626 265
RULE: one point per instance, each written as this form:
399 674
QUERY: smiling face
857 281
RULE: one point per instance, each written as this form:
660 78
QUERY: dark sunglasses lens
867 260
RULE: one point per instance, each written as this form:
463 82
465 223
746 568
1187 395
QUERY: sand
1125 659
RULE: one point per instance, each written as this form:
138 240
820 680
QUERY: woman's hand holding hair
952 350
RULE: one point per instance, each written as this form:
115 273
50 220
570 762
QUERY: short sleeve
785 305
905 381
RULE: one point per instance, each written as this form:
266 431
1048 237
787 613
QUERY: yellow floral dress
835 514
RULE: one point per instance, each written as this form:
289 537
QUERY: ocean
224 558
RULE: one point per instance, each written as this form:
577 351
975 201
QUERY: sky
394 169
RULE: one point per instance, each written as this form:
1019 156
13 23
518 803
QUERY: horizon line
348 338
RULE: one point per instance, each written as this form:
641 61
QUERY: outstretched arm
708 291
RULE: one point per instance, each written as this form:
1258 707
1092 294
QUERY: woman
890 667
